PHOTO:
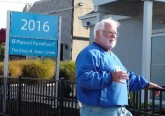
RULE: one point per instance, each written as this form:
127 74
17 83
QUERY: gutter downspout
147 32
72 28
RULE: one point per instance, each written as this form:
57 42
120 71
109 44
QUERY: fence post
61 94
4 94
19 96
145 101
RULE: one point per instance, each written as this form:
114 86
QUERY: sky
12 5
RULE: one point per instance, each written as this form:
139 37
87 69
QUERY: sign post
6 62
31 34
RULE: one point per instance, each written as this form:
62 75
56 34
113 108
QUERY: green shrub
15 68
67 70
39 68
14 71
1 68
2 49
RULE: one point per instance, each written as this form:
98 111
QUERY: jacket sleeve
136 82
87 74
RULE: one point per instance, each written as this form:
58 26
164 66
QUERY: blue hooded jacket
94 81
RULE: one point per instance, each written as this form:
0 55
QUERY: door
158 60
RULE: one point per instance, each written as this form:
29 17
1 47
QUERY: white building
141 42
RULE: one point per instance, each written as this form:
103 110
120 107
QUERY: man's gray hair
100 25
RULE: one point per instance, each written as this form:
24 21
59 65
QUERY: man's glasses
110 32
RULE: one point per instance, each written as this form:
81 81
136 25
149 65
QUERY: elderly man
103 82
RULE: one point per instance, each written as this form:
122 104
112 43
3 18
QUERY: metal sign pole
58 54
58 64
6 61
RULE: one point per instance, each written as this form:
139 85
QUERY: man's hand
119 76
153 85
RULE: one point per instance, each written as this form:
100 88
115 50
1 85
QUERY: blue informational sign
33 34
28 25
32 47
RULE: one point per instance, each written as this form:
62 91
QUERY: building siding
78 45
78 30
